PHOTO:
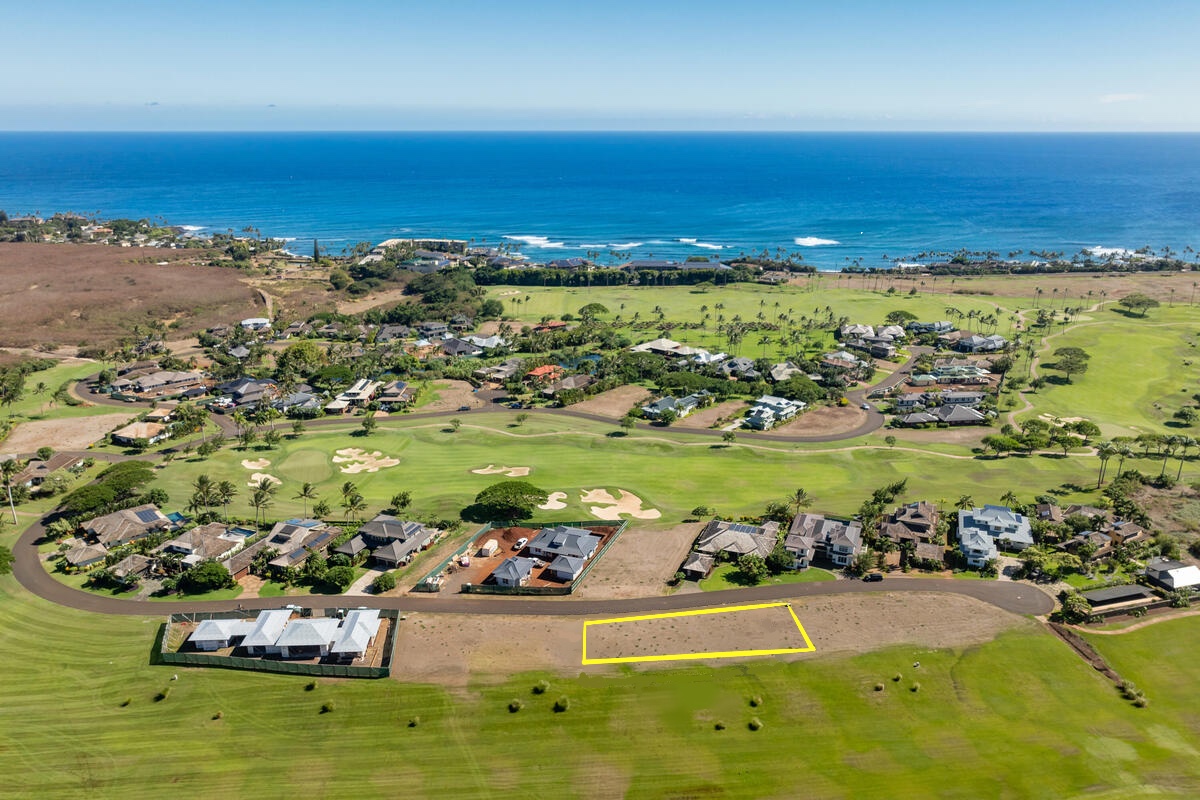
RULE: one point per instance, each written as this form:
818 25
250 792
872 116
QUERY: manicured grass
1141 371
1162 660
220 594
728 576
66 731
42 406
671 471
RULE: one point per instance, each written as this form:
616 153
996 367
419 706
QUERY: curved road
1018 598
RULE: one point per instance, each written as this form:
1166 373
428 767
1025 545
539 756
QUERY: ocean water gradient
834 197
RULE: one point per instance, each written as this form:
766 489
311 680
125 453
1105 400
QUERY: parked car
865 406
520 543
464 408
873 577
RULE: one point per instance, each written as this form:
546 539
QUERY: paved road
1018 598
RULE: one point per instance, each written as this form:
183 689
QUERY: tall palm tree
354 503
800 499
9 469
964 502
225 492
1009 499
307 492
261 500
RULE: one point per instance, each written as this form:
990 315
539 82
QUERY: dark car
873 577
464 408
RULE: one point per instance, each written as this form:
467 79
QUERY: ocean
838 199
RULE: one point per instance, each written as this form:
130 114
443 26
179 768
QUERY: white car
865 406
520 543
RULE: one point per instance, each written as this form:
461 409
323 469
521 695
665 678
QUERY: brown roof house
915 522
152 432
126 525
814 534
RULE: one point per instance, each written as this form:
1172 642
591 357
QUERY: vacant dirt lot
63 434
755 629
93 294
454 648
825 420
615 403
707 417
453 395
640 562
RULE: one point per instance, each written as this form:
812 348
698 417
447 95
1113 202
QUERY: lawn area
1141 371
1163 661
42 406
728 576
65 731
572 456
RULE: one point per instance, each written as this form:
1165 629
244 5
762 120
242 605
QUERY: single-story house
85 556
567 568
1114 597
36 471
216 634
461 348
547 373
736 539
132 567
567 384
126 525
214 541
131 434
266 631
513 571
739 367
356 633
1172 575
307 638
564 540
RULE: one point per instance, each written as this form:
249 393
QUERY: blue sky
526 64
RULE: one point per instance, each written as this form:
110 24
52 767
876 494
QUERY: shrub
414 722
756 701
327 707
897 677
514 706
126 702
163 695
310 686
1141 701
755 724
218 715
562 704
916 687
541 687
879 687
718 726
384 583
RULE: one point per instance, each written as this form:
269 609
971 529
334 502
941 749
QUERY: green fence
529 591
198 659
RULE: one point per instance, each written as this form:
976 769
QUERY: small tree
780 560
729 437
753 567
340 577
455 424
384 583
370 424
628 422
401 500
44 453
205 577
1138 302
889 440
272 438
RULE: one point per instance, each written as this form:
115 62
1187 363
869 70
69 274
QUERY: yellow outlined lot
808 648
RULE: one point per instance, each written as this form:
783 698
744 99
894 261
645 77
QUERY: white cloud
1128 97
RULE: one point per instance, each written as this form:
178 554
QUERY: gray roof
563 540
1117 594
352 547
514 569
267 627
735 538
567 564
357 630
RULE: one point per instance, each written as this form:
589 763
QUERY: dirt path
1137 626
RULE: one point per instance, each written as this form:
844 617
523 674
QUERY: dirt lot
615 403
63 434
707 417
641 560
481 567
454 396
755 629
71 294
824 420
452 649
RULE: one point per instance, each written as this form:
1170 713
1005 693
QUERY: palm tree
348 488
307 492
354 505
1009 499
261 500
225 492
10 468
800 499
1104 451
1185 443
964 502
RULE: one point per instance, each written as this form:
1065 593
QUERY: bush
541 687
562 704
897 677
310 686
514 706
340 577
384 583
916 687
755 701
126 702
755 724
879 687
718 726
327 707
219 715
414 722
163 695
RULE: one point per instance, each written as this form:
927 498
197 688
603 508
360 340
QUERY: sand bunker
259 477
512 472
629 504
357 460
260 463
554 502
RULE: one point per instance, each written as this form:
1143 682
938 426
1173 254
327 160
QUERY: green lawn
1141 371
728 576
1024 699
41 406
572 455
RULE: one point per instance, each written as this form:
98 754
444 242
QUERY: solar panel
146 515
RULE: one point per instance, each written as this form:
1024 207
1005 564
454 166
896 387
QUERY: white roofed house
267 627
307 638
217 634
769 411
356 633
1173 575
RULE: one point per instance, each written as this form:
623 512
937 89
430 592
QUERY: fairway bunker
511 472
629 503
256 463
763 629
554 502
259 477
358 460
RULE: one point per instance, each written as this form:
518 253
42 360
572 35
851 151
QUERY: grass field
572 455
42 406
728 576
1141 371
987 721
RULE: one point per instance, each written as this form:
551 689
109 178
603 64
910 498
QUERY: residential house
297 539
569 384
1172 575
697 566
307 638
736 539
37 471
513 571
842 360
891 332
915 522
132 568
855 331
981 344
212 542
299 404
393 541
659 347
135 432
433 330
564 540
355 634
218 634
769 411
739 368
950 415
85 556
360 393
266 630
488 342
545 374
241 352
551 326
566 568
1113 598
395 395
249 391
460 348
680 407
1003 526
499 373
781 372
256 324
165 382
162 414
390 333
126 525
839 541
918 328
958 370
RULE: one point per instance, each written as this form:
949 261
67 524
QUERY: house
981 344
951 398
299 404
211 542
249 391
352 548
499 373
977 547
697 566
566 568
36 471
570 383
1172 575
295 329
781 372
361 392
267 628
842 360
297 539
681 407
85 556
395 394
126 525
307 638
1003 526
389 333
563 540
433 330
132 568
950 415
135 432
837 540
456 348
918 328
256 324
547 373
424 262
892 332
855 331
739 367
488 342
551 326
165 382
355 634
736 539
769 410
915 522
217 634
162 415
958 370
659 347
241 352
393 541
1119 597
513 571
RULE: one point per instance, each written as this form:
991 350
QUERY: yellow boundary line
692 656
